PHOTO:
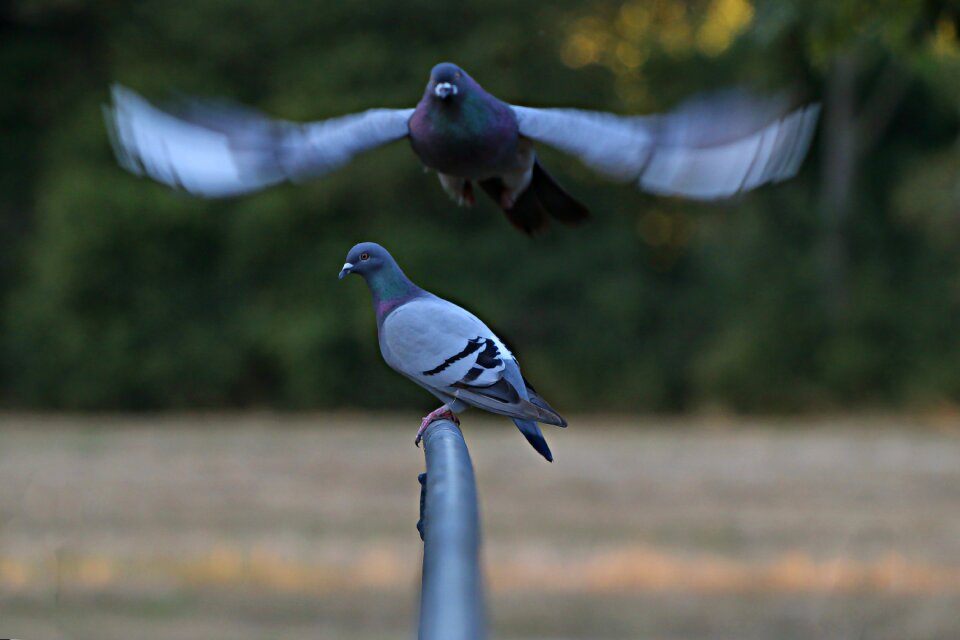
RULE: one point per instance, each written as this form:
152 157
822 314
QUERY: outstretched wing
216 150
447 349
710 147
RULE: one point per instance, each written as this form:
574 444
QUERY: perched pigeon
709 148
447 350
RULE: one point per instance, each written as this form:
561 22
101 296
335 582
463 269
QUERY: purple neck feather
390 288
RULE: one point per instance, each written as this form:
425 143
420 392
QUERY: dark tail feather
526 213
531 432
537 401
554 198
543 199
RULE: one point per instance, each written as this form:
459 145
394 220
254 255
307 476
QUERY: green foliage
118 293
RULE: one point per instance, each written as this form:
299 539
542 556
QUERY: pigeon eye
364 256
456 76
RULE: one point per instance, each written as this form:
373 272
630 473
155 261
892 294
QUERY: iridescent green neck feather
390 288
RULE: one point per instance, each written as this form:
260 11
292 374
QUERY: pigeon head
367 259
387 282
447 82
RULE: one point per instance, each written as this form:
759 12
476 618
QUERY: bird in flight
708 148
447 350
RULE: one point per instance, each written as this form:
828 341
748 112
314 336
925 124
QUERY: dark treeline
839 288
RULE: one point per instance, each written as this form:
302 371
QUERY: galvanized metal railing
452 594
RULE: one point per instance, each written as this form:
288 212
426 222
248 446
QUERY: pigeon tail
532 433
537 401
541 200
534 398
554 199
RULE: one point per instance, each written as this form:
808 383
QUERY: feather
217 150
709 148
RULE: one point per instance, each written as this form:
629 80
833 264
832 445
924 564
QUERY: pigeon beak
444 90
347 269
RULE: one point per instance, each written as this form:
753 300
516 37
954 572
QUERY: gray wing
219 150
439 344
449 350
710 147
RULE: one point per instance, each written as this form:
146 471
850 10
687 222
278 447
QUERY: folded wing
449 350
217 150
709 148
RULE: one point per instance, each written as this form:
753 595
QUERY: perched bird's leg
443 412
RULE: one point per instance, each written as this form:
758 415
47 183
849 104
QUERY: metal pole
452 600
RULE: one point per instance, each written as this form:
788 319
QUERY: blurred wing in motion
709 148
215 150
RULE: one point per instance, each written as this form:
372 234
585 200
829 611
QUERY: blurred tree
117 293
869 60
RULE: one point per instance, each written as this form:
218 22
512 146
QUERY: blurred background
199 438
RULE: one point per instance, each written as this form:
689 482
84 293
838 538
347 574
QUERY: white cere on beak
444 89
347 266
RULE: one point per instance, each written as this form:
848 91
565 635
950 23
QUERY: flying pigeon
447 350
708 148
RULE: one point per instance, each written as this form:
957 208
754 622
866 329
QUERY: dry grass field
263 526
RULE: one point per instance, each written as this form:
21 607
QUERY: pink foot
467 197
506 200
437 414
